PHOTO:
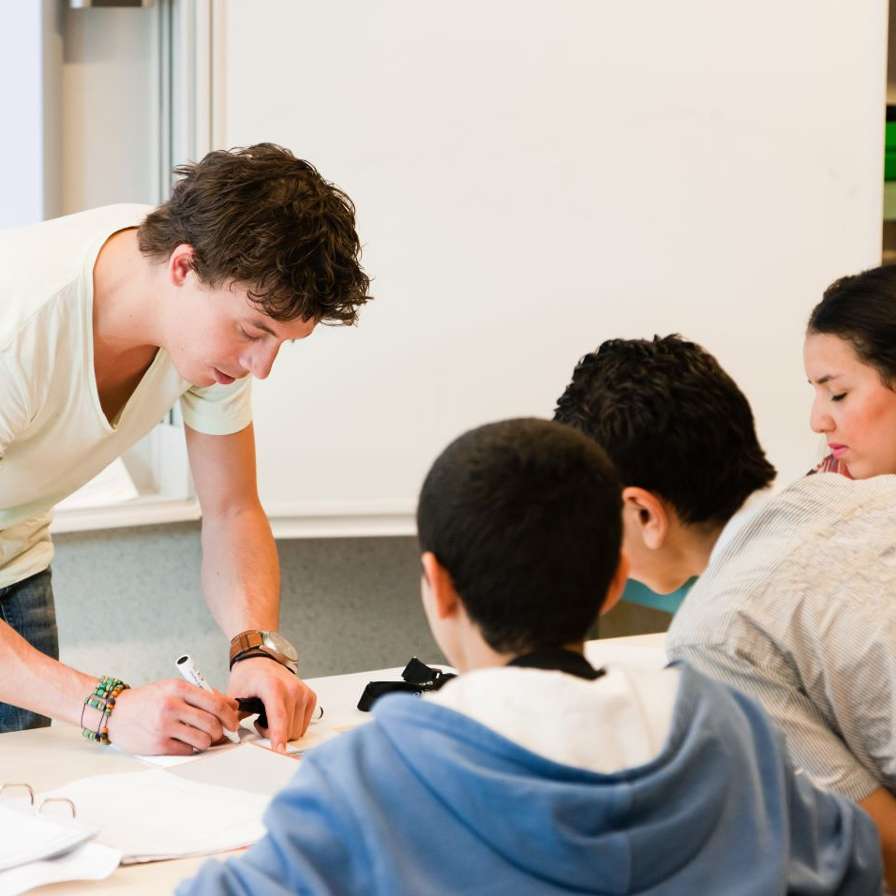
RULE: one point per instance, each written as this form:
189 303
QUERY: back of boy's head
525 516
673 422
261 217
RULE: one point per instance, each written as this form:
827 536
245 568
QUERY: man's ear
180 264
445 602
616 586
645 517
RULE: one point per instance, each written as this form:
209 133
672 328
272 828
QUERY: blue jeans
27 607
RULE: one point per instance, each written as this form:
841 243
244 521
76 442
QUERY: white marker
187 668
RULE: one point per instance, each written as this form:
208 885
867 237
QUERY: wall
110 121
533 178
128 603
30 69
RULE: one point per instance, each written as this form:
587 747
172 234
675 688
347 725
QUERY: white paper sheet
151 815
91 861
26 836
169 761
318 733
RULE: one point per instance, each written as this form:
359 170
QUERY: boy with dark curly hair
794 602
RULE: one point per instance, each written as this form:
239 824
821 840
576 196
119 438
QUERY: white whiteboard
532 178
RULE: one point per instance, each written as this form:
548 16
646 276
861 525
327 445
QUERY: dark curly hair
261 217
672 421
526 516
861 309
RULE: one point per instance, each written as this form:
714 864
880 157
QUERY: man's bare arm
241 573
240 568
39 683
166 717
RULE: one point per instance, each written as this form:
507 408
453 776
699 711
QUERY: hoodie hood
621 719
629 830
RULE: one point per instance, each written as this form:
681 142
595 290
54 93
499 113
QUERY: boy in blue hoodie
533 772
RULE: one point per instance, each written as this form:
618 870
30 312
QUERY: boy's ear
616 586
180 263
645 517
445 602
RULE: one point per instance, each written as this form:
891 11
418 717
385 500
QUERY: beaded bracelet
102 699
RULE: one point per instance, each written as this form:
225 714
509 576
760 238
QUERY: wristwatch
266 644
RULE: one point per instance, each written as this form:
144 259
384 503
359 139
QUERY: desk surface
50 757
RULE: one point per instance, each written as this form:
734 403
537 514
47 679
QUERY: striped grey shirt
797 608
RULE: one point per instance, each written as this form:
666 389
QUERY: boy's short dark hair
525 515
261 217
672 421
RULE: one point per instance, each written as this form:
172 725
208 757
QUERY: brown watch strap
248 640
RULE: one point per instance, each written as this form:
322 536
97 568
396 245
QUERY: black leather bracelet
255 652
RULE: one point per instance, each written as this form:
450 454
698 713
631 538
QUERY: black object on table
417 678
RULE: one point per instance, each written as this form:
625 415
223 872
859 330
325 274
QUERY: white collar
619 720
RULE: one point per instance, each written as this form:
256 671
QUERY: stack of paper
39 849
26 836
90 861
152 815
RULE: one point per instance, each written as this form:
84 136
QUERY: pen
187 668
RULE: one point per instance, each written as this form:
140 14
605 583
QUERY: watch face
281 645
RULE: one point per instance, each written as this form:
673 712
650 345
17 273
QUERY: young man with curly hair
107 319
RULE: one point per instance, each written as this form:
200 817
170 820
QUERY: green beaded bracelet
102 699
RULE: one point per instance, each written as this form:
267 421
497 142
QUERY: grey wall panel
129 602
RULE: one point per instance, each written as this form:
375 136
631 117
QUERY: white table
50 757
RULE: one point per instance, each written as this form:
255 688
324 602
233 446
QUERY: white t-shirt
54 436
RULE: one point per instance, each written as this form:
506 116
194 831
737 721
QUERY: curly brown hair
672 421
261 217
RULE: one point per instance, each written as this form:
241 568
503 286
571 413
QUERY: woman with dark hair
850 360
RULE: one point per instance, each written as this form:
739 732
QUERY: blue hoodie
426 800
